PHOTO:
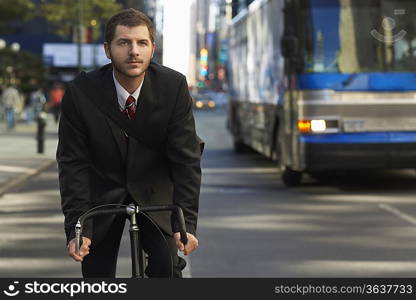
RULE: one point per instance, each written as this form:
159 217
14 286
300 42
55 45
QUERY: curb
20 179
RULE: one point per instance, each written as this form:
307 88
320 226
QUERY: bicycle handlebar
129 210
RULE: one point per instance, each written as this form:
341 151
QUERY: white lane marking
398 213
14 169
238 170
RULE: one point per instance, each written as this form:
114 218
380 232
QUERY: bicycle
132 210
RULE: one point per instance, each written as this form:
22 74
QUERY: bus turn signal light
304 126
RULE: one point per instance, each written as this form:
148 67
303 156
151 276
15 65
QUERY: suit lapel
119 137
110 102
145 105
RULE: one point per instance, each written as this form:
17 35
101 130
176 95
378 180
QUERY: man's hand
190 246
83 251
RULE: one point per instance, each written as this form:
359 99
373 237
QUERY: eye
123 43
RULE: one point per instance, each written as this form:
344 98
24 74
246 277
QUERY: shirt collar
122 94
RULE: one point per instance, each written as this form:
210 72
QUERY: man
10 99
55 97
37 100
100 163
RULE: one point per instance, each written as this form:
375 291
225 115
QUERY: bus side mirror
290 46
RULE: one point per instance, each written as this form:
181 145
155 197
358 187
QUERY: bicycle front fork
137 257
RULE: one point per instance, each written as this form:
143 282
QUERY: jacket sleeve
184 154
73 166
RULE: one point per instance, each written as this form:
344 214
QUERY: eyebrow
128 39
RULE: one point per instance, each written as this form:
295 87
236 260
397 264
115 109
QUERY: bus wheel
291 177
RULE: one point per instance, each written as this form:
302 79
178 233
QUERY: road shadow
367 180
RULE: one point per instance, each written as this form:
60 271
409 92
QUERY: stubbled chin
134 71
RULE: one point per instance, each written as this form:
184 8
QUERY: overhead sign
66 55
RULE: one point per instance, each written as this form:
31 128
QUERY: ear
154 49
107 50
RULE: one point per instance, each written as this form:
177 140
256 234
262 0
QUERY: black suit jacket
98 166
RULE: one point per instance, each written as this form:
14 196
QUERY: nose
134 50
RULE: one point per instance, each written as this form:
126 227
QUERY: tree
23 68
62 15
11 9
14 9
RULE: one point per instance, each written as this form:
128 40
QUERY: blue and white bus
322 85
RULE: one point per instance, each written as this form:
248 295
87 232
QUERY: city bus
324 85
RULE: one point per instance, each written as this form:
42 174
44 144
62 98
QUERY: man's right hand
83 251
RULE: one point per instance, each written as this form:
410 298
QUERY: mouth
135 62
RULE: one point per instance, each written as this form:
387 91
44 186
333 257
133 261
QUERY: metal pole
40 136
79 40
94 52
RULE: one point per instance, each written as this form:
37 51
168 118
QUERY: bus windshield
356 36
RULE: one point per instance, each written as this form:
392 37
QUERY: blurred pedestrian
10 99
55 97
37 101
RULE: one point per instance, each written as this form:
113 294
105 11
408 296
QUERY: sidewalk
19 159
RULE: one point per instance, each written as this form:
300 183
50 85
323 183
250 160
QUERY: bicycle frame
132 210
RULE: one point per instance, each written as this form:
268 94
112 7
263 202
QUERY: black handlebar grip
180 218
177 212
184 237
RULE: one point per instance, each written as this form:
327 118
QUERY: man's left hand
190 246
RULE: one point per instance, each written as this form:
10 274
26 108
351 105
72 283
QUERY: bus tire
291 177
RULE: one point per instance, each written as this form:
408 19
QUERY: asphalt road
361 224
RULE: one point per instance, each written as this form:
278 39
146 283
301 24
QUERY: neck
129 83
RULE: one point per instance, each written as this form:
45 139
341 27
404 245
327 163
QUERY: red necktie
130 107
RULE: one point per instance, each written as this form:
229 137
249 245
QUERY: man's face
130 50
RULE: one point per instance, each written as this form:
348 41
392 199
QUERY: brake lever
78 238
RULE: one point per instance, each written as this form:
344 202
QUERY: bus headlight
315 126
318 125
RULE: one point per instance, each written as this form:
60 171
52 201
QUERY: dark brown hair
128 17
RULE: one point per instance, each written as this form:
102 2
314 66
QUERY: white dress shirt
122 94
